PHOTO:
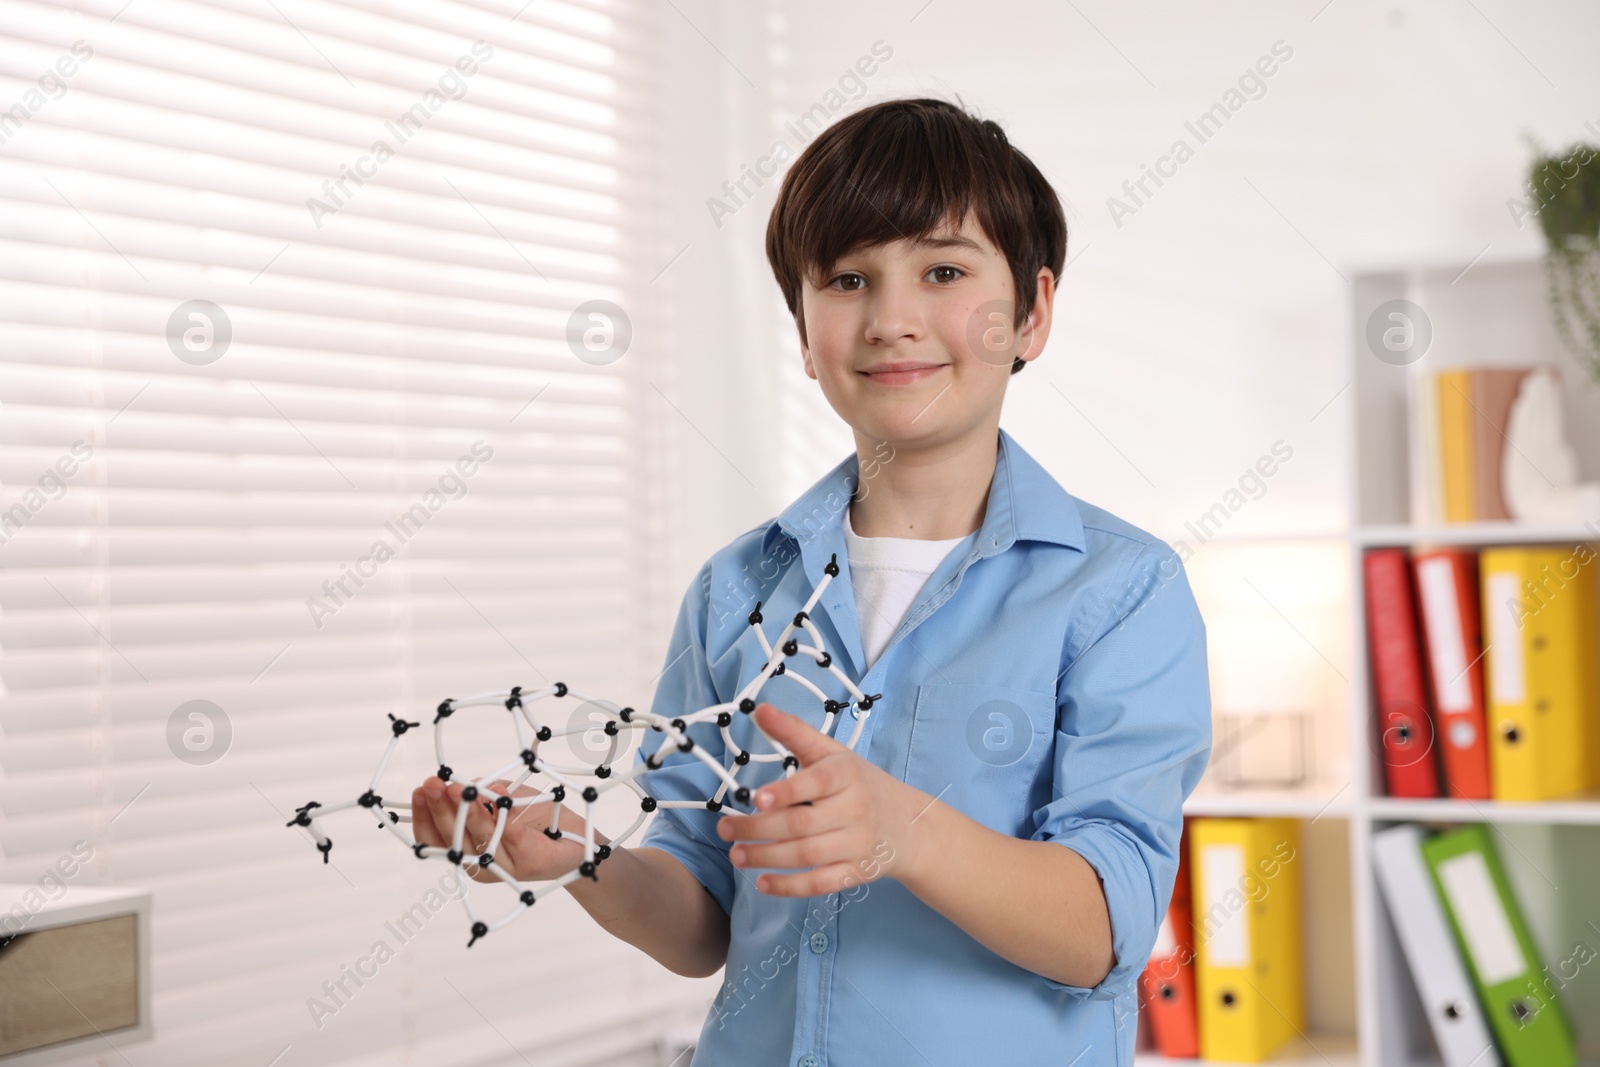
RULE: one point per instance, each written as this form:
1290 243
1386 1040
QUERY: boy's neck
929 494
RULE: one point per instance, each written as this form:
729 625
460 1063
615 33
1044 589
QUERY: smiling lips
901 373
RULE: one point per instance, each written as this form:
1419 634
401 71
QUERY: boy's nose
893 315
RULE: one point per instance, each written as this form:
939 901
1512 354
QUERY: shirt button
855 712
808 1060
819 942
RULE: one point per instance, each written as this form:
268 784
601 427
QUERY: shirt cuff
1130 904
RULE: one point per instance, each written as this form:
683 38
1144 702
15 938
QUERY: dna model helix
601 778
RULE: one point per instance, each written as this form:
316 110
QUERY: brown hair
923 161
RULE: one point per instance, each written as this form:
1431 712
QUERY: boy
980 880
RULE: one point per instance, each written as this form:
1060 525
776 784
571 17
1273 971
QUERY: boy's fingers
812 883
480 824
817 850
443 811
422 827
801 738
782 823
437 793
803 786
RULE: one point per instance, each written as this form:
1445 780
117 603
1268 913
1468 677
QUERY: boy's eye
943 274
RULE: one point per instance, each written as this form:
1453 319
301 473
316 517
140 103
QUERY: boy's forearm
1036 903
647 898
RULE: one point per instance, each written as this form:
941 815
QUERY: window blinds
294 438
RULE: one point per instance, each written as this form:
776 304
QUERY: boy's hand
844 818
524 851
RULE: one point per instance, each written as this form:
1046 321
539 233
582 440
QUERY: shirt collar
1025 504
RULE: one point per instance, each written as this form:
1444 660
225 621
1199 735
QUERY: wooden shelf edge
1577 811
1317 800
1401 533
1341 803
1321 1050
1476 533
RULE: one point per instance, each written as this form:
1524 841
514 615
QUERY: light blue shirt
1049 682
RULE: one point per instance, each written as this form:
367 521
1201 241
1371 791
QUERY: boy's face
945 305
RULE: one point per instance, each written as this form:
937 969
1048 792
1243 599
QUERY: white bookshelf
1362 1008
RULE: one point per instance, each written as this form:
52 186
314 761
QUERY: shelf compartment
1554 871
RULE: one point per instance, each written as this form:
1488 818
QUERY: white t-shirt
888 573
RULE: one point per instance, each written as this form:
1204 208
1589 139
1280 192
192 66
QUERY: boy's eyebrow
955 241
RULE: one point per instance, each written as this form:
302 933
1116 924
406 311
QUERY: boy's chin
890 432
919 426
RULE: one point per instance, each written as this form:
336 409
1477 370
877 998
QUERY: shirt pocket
981 748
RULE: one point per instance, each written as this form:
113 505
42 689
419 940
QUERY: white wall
1210 323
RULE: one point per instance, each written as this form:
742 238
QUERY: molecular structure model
565 777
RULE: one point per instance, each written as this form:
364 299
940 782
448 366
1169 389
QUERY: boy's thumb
801 738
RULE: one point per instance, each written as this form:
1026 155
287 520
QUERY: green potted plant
1568 191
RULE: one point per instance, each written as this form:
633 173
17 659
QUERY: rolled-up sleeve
1133 736
686 685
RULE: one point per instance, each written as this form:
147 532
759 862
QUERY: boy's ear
805 358
1035 330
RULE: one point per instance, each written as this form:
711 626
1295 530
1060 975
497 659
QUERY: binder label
1222 871
1437 581
1505 638
1482 918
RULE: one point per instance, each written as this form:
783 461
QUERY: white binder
1430 950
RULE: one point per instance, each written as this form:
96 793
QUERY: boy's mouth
902 373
